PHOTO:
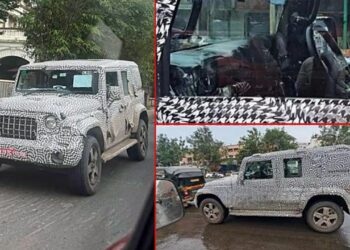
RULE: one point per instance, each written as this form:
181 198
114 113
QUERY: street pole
345 25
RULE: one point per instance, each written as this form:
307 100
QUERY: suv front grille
18 127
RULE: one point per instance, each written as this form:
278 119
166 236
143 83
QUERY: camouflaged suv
309 183
74 115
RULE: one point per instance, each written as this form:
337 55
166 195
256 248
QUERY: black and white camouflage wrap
165 11
325 171
219 110
75 114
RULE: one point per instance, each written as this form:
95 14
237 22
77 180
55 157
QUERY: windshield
218 21
257 48
67 81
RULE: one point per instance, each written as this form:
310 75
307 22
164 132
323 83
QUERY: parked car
253 73
186 179
309 183
74 115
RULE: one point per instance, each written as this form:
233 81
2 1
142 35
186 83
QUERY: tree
170 151
278 140
334 135
205 149
132 21
249 145
63 29
272 140
58 29
6 6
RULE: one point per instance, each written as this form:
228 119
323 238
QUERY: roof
179 170
301 151
98 63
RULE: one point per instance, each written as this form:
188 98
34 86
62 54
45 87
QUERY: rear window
293 168
192 181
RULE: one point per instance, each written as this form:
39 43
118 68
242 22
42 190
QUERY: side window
258 170
112 78
292 168
125 82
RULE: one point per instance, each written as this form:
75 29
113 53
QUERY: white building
12 53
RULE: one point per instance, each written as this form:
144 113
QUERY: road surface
246 233
38 211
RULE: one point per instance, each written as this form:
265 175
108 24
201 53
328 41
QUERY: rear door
291 184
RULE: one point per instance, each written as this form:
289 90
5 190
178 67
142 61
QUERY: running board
109 154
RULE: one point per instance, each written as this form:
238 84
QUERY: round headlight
51 122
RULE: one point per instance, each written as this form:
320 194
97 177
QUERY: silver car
313 184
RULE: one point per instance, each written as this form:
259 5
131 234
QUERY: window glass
292 168
67 81
253 48
258 170
112 78
125 82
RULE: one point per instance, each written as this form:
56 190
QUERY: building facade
12 39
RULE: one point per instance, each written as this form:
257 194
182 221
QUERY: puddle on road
192 232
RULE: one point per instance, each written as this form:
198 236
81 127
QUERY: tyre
213 211
86 177
325 217
138 152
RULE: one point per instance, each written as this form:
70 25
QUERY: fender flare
138 111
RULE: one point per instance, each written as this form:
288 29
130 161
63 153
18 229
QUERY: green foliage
170 151
6 6
334 135
61 29
206 150
272 140
58 29
132 22
249 144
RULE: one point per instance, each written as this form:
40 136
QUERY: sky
232 134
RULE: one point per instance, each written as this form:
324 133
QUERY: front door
257 191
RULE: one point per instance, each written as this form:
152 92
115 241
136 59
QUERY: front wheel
325 217
213 211
85 178
138 152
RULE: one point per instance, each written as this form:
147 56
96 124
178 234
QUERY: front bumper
48 153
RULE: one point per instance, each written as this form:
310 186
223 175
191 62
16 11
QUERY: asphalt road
246 233
38 211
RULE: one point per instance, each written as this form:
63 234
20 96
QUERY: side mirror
168 204
113 94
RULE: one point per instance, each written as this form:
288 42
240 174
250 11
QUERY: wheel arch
140 113
97 133
338 199
202 197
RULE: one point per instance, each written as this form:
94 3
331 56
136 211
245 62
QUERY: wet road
247 233
38 211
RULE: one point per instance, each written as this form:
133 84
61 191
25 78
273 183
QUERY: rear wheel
213 211
85 178
138 152
325 217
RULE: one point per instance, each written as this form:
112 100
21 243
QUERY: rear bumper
47 153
